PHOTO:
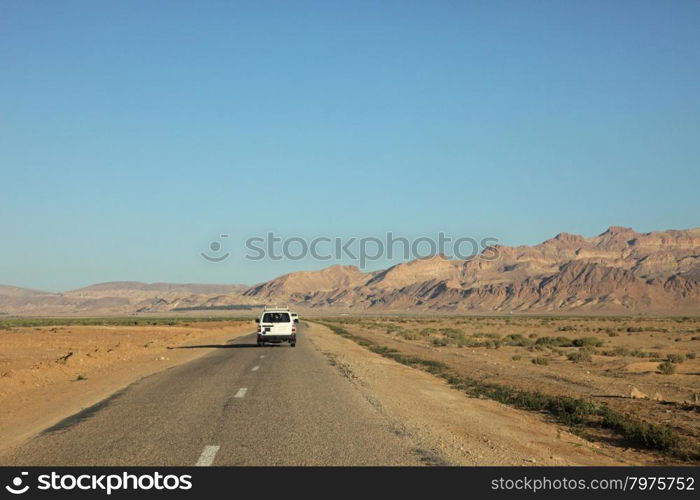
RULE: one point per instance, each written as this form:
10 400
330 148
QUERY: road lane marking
255 368
262 356
241 392
207 457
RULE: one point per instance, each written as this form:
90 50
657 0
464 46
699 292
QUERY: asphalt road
238 405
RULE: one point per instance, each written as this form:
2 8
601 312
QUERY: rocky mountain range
619 271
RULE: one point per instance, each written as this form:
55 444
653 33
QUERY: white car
277 325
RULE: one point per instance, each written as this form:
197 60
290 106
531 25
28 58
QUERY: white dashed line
255 368
207 457
262 356
241 392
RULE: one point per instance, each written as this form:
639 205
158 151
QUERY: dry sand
50 373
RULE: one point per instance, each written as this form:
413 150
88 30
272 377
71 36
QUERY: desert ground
630 383
436 390
53 368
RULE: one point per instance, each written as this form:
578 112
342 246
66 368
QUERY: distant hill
119 297
135 288
619 271
15 291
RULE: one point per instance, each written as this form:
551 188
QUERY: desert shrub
394 329
474 343
533 336
408 335
667 368
675 358
516 339
554 341
644 354
452 332
617 351
579 356
486 335
587 341
638 329
540 361
516 357
493 344
566 328
690 355
650 436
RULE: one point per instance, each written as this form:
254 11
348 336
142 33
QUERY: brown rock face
618 271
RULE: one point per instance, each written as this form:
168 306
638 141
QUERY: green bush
643 354
617 351
667 368
651 436
554 341
579 356
486 335
587 341
516 339
540 361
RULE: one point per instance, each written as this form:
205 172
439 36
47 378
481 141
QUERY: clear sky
134 133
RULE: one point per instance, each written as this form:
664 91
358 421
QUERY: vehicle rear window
276 318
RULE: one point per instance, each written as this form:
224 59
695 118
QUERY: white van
276 325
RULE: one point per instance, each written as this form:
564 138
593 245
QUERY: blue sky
133 133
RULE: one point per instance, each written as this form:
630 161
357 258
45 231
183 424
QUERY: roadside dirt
613 361
49 373
458 429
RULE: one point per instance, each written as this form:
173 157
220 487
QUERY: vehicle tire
293 344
